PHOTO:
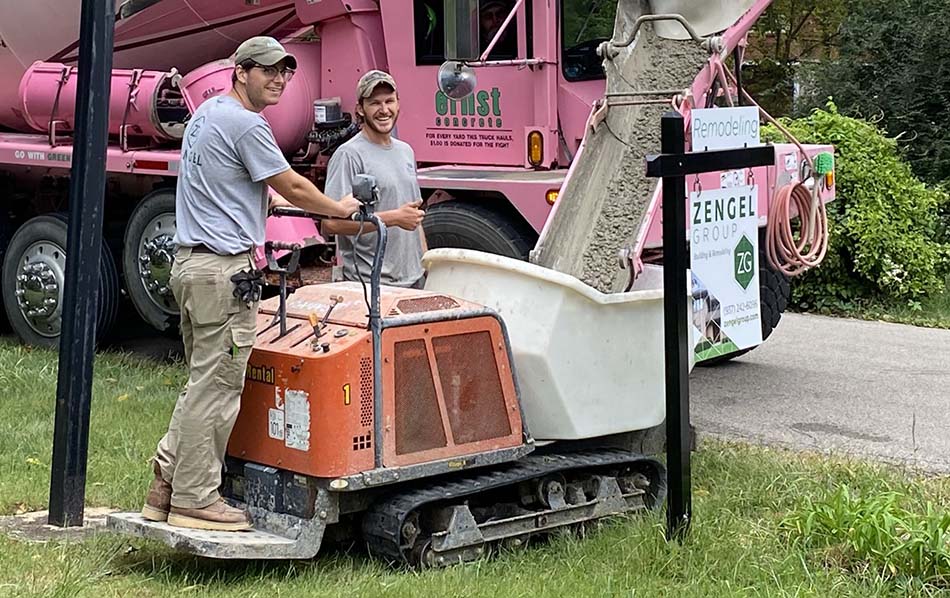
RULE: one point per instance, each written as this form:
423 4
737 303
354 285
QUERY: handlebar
294 213
284 212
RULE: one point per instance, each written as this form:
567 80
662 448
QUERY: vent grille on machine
471 388
474 400
418 420
366 392
363 442
424 304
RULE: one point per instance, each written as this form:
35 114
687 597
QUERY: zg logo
744 260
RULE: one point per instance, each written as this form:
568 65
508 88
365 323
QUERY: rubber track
383 522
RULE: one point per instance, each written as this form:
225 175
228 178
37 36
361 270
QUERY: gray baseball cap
370 80
265 51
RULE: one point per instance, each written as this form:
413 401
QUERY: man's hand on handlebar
408 216
278 201
343 209
348 206
302 193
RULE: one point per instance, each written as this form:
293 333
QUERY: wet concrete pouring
603 205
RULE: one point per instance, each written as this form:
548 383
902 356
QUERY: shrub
887 241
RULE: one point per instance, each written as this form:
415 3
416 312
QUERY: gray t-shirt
226 154
394 167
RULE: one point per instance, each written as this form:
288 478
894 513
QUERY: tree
894 66
885 239
587 19
788 33
791 31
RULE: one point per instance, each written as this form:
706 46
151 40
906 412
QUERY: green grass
933 312
132 403
738 545
884 531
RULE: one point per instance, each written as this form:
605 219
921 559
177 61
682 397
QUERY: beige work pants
218 331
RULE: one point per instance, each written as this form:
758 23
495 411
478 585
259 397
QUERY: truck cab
501 153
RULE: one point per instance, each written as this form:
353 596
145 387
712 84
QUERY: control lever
366 191
334 301
273 266
317 324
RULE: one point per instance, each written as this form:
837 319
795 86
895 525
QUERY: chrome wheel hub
39 287
156 253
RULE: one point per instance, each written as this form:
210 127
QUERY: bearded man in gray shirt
376 152
228 159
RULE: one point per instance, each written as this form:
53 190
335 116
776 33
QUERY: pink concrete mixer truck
491 163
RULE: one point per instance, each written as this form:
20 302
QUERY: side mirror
456 80
462 41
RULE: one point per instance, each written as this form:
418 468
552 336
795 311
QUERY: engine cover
447 381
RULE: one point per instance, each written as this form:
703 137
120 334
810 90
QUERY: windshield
584 25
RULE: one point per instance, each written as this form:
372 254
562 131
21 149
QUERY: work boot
159 498
218 516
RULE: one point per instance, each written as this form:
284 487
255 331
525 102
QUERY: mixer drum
145 104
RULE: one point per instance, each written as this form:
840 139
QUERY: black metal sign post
86 195
673 165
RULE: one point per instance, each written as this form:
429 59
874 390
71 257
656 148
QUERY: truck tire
469 225
147 255
775 290
34 274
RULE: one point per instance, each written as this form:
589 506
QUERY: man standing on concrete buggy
229 158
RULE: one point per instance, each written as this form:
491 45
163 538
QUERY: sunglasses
271 72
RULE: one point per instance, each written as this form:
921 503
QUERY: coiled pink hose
786 254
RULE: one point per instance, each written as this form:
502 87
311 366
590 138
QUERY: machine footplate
447 522
299 543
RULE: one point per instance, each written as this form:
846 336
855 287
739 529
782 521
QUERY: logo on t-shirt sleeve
194 128
189 157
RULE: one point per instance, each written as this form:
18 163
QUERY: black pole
675 322
80 295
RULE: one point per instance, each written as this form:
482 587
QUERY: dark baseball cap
265 51
370 80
